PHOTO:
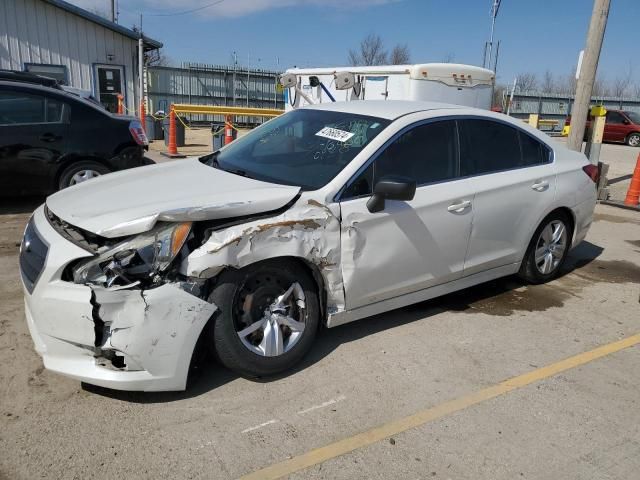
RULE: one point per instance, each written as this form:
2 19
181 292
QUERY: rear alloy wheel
633 140
547 250
81 172
267 317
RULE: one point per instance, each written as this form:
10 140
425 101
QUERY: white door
414 244
376 88
514 184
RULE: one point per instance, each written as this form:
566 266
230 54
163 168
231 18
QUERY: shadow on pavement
489 297
17 205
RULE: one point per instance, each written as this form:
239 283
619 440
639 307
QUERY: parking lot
437 367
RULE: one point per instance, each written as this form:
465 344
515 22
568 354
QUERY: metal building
77 47
556 106
203 84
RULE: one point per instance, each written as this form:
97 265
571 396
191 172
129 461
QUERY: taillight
138 133
567 121
592 172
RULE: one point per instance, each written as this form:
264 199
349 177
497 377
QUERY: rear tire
547 249
80 172
633 139
247 300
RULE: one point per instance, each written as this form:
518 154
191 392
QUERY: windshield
305 148
634 117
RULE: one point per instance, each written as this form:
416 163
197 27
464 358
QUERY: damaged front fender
308 230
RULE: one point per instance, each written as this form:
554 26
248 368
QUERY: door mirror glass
391 188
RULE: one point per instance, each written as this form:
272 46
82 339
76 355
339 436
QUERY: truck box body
442 82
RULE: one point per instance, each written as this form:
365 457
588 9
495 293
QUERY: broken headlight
138 259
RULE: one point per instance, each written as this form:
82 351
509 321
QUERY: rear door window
533 151
20 108
487 146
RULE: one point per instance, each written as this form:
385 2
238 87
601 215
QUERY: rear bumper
127 339
583 213
130 157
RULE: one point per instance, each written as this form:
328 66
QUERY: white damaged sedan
319 217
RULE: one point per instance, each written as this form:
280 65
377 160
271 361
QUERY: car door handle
49 137
459 207
540 185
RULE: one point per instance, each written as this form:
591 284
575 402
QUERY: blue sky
536 35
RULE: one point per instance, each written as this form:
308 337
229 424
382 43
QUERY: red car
621 126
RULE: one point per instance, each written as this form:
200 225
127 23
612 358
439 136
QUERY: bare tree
548 84
400 55
526 82
157 58
636 91
600 87
621 84
498 96
370 52
449 57
567 84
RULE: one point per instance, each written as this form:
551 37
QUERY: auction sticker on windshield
335 134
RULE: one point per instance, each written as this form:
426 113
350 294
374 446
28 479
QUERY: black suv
51 139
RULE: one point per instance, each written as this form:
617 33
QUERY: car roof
34 86
389 109
27 77
57 90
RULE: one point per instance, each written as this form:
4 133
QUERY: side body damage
141 336
309 231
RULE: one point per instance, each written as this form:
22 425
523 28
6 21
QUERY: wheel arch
568 212
626 138
311 268
70 160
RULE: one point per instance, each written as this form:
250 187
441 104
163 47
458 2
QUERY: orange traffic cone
633 194
228 130
173 146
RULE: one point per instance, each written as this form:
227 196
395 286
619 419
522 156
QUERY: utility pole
587 73
141 73
235 67
488 49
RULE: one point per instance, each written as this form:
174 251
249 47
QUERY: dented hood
132 201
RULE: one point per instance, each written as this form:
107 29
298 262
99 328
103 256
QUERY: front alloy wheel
267 318
270 326
633 140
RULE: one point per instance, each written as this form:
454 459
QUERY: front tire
80 172
267 318
633 140
547 250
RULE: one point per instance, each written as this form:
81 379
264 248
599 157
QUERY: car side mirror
391 188
626 122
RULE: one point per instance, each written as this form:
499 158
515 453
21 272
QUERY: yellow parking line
322 454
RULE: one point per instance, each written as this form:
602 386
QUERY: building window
57 72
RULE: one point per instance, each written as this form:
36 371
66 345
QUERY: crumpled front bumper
80 330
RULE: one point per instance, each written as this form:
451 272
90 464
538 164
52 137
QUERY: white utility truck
441 82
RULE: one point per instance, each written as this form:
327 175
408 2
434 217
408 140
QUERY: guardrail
536 122
228 112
